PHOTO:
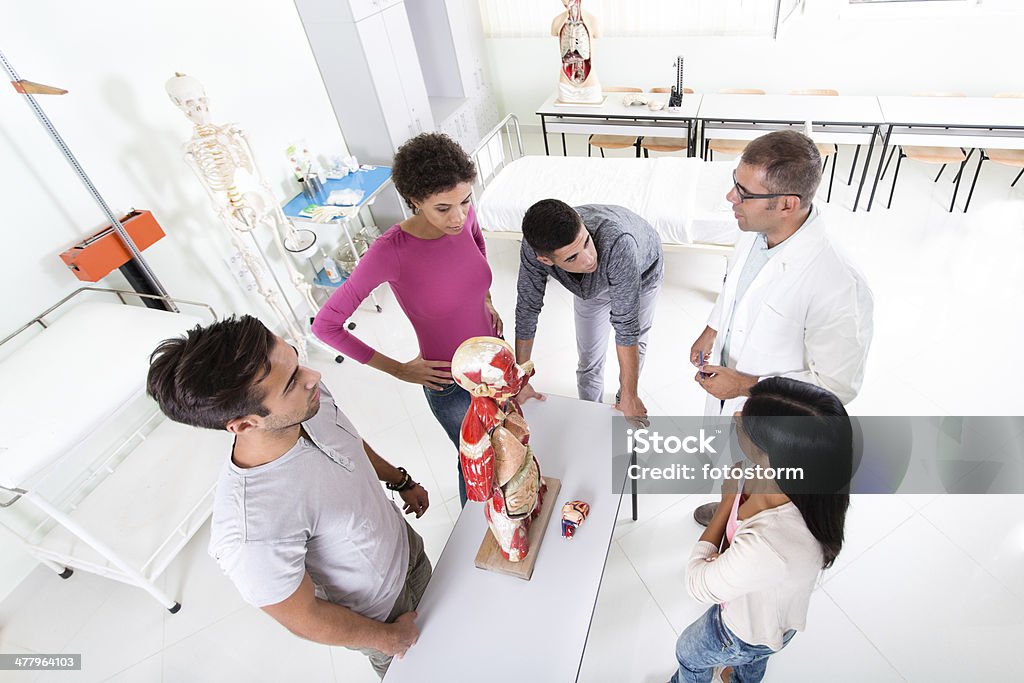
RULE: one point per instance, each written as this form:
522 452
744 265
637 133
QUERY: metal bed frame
60 509
503 145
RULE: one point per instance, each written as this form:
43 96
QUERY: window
532 18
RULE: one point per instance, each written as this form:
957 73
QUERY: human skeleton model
497 460
223 160
576 31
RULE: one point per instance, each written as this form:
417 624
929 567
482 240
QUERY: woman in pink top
781 533
436 265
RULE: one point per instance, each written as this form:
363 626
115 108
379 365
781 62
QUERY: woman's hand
434 374
496 323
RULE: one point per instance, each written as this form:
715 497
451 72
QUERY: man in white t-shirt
300 522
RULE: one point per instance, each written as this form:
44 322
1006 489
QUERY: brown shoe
703 514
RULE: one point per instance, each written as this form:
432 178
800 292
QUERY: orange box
94 258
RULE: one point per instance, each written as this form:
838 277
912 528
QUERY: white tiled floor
928 588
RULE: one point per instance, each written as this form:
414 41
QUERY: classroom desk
481 625
968 122
843 119
615 118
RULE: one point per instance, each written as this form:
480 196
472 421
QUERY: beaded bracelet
405 483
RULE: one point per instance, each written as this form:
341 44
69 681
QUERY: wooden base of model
489 556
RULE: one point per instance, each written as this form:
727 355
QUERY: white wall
114 58
888 50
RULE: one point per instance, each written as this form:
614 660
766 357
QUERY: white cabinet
370 72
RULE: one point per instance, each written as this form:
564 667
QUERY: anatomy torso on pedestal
577 80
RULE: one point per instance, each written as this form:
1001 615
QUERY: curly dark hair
430 163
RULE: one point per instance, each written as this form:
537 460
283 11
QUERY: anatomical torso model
497 460
576 31
223 161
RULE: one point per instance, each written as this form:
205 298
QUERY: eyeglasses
744 195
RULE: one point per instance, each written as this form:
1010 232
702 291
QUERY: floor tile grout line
647 588
854 561
208 626
861 631
1008 589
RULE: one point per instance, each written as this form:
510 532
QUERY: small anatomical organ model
576 31
222 159
495 453
573 514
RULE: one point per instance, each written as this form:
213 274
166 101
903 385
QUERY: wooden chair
1007 157
730 146
603 142
930 155
660 144
827 150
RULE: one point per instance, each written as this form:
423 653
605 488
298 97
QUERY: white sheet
72 377
682 198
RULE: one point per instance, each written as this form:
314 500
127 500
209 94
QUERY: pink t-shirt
441 285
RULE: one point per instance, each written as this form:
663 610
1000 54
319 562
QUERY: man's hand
403 635
435 374
634 410
416 500
496 324
705 342
724 383
528 392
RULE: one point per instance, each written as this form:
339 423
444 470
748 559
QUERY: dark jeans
708 643
449 406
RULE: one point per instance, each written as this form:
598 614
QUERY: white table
614 118
842 119
475 624
969 122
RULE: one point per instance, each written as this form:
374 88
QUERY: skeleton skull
189 96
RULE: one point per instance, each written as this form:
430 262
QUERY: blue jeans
708 643
449 406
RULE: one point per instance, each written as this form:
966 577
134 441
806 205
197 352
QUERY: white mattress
73 376
682 198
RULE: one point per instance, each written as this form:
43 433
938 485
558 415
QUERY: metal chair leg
956 188
974 182
588 148
940 173
853 166
968 158
1017 178
886 169
602 152
895 176
646 154
832 177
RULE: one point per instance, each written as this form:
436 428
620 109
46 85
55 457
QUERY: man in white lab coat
792 305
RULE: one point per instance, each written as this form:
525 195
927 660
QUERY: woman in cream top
759 558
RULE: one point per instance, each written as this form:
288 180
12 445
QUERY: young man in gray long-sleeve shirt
611 260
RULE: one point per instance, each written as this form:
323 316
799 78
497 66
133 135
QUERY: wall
114 58
887 50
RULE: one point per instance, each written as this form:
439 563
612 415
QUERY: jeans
416 579
449 406
708 643
592 331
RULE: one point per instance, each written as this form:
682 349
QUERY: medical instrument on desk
223 160
675 99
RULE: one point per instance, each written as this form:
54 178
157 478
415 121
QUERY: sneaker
703 514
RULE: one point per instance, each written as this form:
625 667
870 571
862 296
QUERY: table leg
544 134
632 484
867 165
689 137
564 153
885 145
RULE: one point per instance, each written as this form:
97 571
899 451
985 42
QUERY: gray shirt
319 508
629 262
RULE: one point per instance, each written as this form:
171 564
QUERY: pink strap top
733 523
